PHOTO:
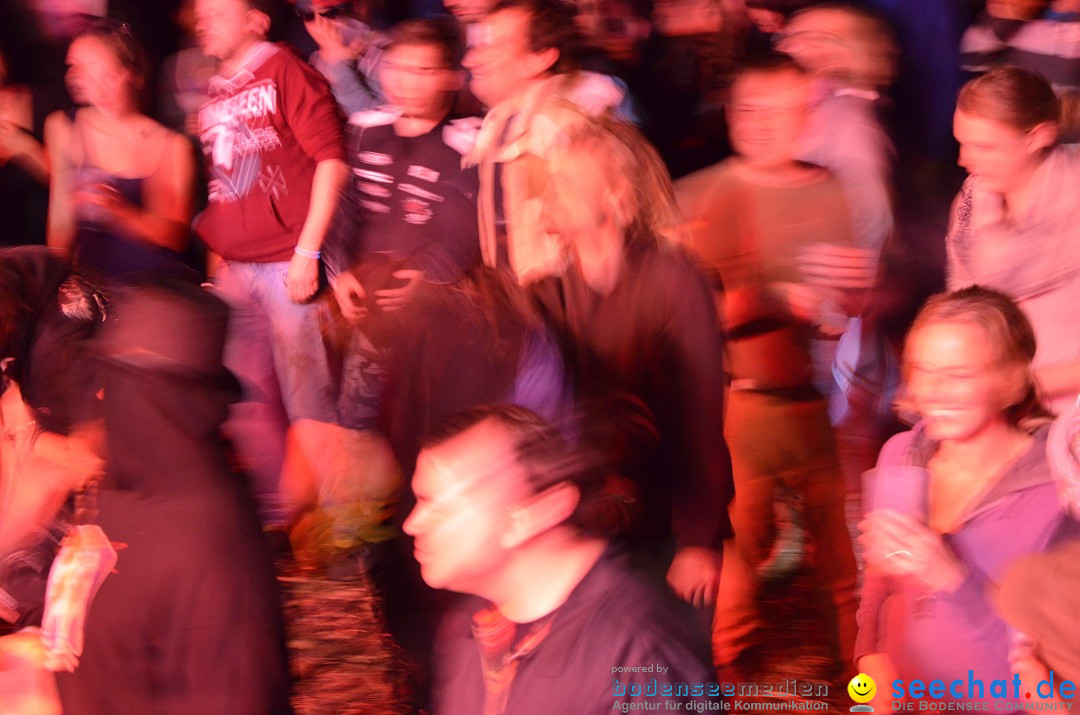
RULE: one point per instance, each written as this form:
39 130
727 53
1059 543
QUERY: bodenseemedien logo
862 689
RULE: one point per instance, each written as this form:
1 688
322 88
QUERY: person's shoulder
556 105
637 621
670 264
174 145
896 447
620 595
280 59
712 180
551 122
460 134
282 54
1068 157
57 129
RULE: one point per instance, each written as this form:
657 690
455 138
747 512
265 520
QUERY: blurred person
1033 35
522 62
767 20
851 53
1047 640
271 134
475 341
409 213
638 323
184 77
696 45
121 198
595 91
617 28
752 217
404 230
956 500
504 512
349 52
190 621
51 441
66 19
451 346
409 198
1014 224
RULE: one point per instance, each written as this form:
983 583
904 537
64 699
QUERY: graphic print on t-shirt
234 132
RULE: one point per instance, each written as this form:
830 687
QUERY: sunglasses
329 13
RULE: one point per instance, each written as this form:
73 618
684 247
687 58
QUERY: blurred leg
257 424
737 614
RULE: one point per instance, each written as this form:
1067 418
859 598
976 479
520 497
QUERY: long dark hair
118 37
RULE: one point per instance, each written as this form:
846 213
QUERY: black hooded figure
47 316
190 621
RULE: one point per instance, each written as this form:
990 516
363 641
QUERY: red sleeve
310 109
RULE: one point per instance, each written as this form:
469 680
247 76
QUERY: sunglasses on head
330 13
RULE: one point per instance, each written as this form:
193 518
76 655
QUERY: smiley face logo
862 688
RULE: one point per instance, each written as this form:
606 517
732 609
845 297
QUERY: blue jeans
275 348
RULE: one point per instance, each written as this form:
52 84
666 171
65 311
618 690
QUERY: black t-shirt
649 356
408 198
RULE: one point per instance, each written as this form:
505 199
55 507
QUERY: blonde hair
634 170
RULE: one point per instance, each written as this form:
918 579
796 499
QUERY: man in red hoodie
272 137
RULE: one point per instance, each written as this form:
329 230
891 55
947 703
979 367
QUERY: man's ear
540 513
539 63
258 23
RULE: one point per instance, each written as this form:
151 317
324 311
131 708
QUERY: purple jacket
944 635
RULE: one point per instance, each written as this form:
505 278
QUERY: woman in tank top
122 184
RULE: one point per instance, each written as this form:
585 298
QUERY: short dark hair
442 32
769 62
552 24
270 8
545 456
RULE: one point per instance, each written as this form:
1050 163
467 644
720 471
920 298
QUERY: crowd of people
395 373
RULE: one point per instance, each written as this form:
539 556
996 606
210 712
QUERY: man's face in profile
498 54
466 490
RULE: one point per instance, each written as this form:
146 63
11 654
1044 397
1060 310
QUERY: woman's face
96 77
957 382
1001 155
